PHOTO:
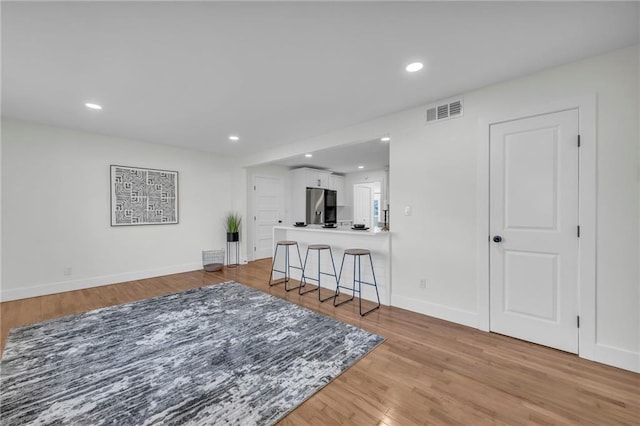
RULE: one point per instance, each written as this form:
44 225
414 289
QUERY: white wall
638 182
239 204
434 169
55 193
0 215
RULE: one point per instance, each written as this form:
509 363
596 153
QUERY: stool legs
287 268
339 286
320 273
375 285
306 257
358 279
335 275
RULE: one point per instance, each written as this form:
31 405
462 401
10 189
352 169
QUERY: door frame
587 205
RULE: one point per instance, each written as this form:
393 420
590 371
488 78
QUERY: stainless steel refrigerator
321 206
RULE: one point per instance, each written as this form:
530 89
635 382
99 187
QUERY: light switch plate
407 210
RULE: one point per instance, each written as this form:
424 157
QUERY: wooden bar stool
287 265
357 254
319 248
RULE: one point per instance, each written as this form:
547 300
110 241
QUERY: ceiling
371 155
192 73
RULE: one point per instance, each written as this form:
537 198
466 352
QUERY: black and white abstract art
143 196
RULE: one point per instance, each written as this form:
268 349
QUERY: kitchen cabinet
316 178
336 182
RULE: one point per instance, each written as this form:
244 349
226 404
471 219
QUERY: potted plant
232 225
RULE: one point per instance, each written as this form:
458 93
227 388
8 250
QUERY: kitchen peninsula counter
338 230
340 239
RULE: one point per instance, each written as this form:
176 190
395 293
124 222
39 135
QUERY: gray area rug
223 354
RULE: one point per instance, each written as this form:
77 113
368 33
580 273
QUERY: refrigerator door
315 206
330 209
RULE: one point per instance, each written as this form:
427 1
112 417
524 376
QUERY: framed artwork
143 196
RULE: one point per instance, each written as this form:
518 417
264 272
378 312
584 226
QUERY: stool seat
287 243
357 252
319 247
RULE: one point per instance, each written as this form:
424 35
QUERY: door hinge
578 320
254 218
578 231
578 141
254 249
254 187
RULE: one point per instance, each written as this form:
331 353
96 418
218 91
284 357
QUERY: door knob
497 239
279 221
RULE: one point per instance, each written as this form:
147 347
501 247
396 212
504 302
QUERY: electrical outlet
67 270
423 283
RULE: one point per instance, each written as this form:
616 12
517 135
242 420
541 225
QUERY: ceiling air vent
455 108
444 111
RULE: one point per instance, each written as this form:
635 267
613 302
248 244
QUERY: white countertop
338 230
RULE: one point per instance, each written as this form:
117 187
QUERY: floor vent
444 111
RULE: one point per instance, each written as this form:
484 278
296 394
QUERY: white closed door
362 204
534 229
267 213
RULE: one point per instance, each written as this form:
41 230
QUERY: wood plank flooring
427 371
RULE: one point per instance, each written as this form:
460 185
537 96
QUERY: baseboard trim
604 354
82 283
443 312
616 357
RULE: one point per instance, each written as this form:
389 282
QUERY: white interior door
534 211
267 213
362 202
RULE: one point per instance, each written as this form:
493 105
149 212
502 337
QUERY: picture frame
142 196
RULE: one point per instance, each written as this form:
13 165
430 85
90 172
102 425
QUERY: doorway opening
367 204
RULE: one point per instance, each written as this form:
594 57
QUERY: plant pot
233 237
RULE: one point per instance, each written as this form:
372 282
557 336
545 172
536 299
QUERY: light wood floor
427 371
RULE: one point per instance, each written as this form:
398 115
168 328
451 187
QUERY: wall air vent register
444 111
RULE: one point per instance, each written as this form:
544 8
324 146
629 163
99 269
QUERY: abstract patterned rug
223 354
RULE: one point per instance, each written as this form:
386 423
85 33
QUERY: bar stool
287 266
319 248
357 254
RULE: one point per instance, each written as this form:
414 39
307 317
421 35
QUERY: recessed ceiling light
308 155
415 66
385 139
361 167
234 138
92 106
